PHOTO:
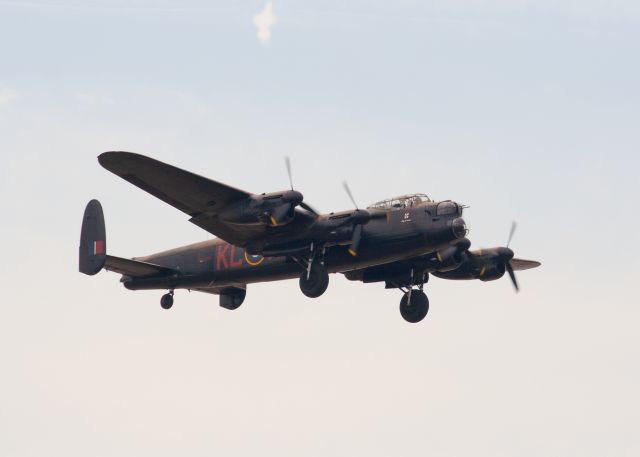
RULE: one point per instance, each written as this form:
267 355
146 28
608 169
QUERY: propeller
502 256
512 275
345 185
292 199
507 254
302 204
281 212
287 162
460 246
358 219
511 232
309 208
355 240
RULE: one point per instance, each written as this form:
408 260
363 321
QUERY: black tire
317 283
166 301
417 310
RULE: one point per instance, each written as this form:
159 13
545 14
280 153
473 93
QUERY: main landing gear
314 280
167 300
414 304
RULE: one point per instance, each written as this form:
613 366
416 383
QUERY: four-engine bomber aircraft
275 236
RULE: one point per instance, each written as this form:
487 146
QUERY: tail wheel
415 310
316 282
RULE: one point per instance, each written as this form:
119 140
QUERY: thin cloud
7 95
264 21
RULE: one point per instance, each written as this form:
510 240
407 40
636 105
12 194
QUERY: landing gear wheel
317 283
167 301
417 309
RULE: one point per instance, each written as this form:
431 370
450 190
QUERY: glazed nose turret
459 227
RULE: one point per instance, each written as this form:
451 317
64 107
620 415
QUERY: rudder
93 241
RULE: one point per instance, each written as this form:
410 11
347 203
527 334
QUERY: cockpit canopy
404 201
447 207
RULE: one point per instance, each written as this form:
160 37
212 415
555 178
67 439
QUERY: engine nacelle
485 265
491 271
449 259
277 208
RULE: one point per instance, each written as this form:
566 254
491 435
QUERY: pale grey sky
525 110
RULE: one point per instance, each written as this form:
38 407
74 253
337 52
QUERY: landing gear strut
167 300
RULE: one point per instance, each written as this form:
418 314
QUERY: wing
190 193
520 264
199 197
135 268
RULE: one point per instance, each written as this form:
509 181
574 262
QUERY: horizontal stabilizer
135 268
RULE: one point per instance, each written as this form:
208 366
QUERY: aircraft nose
459 228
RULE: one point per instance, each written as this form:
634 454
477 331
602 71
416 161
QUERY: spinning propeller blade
511 232
346 188
512 275
303 205
358 218
280 213
287 162
509 256
309 208
355 240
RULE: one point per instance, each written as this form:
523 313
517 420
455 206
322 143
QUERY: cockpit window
446 208
406 201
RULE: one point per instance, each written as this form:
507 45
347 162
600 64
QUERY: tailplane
93 241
